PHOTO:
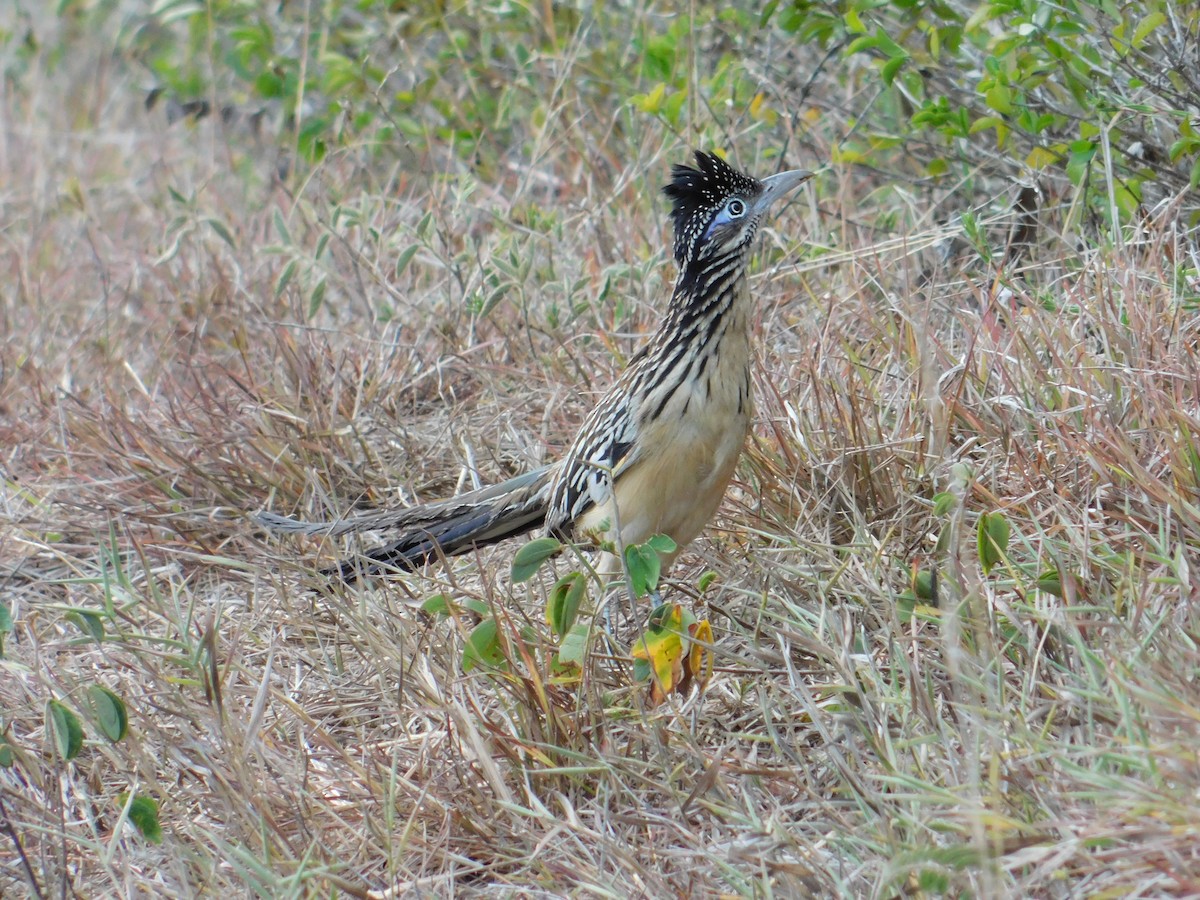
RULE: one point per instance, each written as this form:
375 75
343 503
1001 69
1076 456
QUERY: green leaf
985 122
222 232
285 278
143 813
483 647
891 68
444 606
925 584
424 225
565 599
6 754
110 712
65 729
6 625
999 98
281 226
1146 26
1050 583
706 581
530 557
90 623
573 647
644 567
661 543
405 258
477 606
316 299
437 605
993 533
1081 155
865 42
943 502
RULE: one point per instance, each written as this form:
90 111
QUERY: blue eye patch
734 209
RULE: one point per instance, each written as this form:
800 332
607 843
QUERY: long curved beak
776 186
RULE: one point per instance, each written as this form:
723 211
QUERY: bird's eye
736 208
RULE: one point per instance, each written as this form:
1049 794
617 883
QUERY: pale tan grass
1004 741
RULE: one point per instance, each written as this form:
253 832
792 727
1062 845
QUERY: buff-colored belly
687 462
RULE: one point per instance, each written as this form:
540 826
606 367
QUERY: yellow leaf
700 657
1040 157
760 111
652 102
846 156
662 647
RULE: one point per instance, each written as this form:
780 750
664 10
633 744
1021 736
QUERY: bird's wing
604 449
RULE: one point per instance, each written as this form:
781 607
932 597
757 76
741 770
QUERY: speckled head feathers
698 194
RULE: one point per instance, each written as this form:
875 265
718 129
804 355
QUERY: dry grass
1002 740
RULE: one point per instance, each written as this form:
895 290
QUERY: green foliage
64 729
143 813
484 647
88 621
1060 89
109 712
644 565
6 625
473 79
531 556
566 597
992 533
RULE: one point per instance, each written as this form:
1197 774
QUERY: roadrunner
657 452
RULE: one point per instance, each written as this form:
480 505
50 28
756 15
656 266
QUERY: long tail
447 527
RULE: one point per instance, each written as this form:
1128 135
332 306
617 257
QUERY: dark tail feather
450 538
447 527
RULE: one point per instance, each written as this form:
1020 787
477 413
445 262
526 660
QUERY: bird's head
716 209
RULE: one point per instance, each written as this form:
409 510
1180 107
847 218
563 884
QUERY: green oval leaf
143 813
662 543
943 503
992 537
925 584
1050 583
65 729
530 557
891 67
89 622
573 648
110 712
222 232
6 625
644 567
565 599
437 605
483 648
281 228
405 258
316 298
285 278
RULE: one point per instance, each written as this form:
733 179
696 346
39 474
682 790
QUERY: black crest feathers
696 195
